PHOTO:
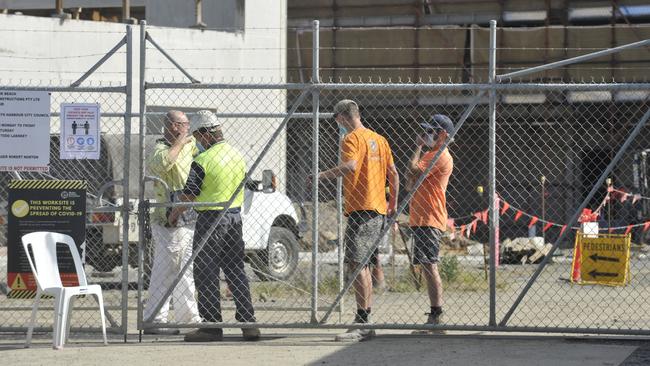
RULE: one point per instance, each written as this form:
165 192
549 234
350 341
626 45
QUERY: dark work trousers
223 250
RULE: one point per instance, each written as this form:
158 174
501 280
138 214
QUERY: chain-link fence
107 198
549 143
233 225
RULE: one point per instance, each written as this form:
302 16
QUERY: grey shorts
426 244
361 233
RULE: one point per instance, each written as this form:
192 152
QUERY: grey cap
439 122
203 119
346 106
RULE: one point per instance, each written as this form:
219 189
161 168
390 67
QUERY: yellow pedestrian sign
604 258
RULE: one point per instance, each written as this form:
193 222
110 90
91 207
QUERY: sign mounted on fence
43 205
603 259
80 131
24 131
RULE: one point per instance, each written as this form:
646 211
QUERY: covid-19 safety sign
80 131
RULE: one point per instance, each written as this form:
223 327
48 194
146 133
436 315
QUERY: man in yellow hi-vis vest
214 176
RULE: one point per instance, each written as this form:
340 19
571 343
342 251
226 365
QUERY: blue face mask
342 131
200 147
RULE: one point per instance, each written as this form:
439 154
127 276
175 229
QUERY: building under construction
567 137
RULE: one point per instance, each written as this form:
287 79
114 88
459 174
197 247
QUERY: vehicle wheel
280 259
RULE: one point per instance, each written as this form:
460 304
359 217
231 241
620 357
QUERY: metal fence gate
528 155
108 201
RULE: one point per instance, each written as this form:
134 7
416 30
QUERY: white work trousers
172 249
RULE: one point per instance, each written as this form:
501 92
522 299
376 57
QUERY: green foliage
449 268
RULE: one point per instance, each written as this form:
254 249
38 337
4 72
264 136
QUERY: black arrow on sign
595 273
595 257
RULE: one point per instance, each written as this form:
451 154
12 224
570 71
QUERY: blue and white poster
80 131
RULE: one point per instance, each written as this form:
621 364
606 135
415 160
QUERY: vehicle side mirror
269 183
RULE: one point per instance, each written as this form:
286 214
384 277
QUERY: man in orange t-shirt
366 165
428 207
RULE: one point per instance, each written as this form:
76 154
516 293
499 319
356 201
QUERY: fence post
493 208
315 156
142 167
125 184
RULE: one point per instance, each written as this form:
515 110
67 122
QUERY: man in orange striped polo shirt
366 165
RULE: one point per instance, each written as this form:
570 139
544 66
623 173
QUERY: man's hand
391 209
175 213
421 140
310 180
181 140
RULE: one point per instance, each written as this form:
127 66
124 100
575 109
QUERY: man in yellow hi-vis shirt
214 177
171 162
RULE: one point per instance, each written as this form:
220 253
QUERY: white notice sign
80 131
24 130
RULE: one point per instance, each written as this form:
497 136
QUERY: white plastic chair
45 267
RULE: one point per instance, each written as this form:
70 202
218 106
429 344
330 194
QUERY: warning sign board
604 259
80 131
43 205
24 130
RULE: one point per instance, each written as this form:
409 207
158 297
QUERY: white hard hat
203 119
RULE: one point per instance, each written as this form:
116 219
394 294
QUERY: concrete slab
303 348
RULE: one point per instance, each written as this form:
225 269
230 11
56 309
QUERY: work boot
432 319
251 334
205 335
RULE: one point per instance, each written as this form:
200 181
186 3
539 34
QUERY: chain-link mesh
549 156
400 292
103 249
263 226
567 143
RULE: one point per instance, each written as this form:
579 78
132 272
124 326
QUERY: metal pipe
198 10
339 229
573 60
60 89
126 10
141 170
188 204
254 115
284 86
402 86
314 165
560 330
493 211
101 62
125 185
574 218
484 87
170 59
